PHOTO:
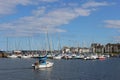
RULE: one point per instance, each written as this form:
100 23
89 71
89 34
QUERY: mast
59 45
7 44
48 41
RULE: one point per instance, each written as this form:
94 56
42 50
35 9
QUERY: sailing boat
42 63
59 54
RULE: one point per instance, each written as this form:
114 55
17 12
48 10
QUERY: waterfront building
72 49
84 50
112 48
97 48
108 48
66 49
3 54
75 50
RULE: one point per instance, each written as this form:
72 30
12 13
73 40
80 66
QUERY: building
112 48
3 54
84 50
66 49
108 48
76 50
97 48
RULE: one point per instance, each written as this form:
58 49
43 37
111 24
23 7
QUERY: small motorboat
42 63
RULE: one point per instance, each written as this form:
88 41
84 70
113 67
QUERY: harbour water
76 69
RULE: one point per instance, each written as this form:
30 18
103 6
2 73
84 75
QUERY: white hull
12 56
57 57
47 65
26 56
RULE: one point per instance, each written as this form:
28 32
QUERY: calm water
20 69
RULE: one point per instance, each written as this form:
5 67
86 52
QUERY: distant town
95 48
113 49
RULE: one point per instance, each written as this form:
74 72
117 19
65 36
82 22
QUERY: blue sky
24 23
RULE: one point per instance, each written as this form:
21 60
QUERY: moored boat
58 56
26 56
102 57
12 56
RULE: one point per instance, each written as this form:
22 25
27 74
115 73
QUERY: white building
84 50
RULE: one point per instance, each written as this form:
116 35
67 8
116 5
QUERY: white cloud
8 6
39 12
52 20
94 4
117 38
48 0
43 18
112 23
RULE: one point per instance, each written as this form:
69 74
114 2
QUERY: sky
33 24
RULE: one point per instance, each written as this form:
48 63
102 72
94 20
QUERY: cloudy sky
24 23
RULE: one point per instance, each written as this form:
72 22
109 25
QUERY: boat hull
12 56
38 66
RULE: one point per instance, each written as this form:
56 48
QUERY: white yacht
42 63
12 56
26 56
